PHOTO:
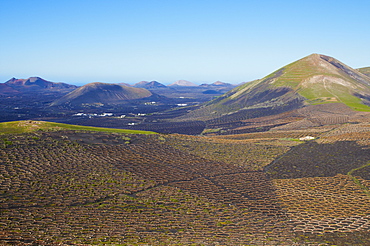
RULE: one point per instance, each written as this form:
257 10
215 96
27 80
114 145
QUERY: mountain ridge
37 84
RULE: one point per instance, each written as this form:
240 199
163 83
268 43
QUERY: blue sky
201 41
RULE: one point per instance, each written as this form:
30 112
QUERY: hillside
7 90
315 79
102 93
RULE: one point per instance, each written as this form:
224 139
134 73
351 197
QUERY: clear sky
82 41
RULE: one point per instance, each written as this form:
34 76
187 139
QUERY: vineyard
263 120
78 187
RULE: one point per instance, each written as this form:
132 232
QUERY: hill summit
315 79
102 93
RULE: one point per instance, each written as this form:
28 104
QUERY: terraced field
81 188
55 189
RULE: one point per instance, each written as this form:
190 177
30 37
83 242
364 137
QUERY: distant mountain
183 83
218 84
38 84
102 93
149 85
365 70
315 79
7 90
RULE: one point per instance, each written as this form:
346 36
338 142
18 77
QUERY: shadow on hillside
319 160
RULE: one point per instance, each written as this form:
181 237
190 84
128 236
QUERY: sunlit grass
30 126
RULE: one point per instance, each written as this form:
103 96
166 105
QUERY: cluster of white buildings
94 115
103 115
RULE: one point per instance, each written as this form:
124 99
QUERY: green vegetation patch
30 126
295 72
318 94
205 131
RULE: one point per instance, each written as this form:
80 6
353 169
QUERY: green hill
323 79
315 79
